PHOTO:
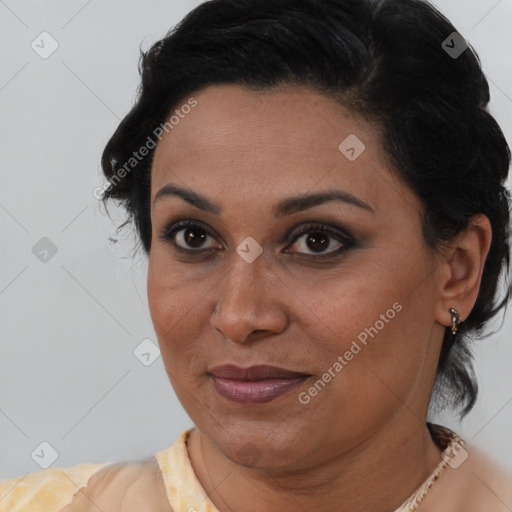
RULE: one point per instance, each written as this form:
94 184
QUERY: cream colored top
466 481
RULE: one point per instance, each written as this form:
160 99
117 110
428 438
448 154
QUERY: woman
319 189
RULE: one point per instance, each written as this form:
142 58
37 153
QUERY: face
339 289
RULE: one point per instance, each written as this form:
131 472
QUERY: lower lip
255 392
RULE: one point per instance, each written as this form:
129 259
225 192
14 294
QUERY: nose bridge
246 281
243 302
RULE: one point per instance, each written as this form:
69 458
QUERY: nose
249 302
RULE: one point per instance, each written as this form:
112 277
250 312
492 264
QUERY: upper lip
258 372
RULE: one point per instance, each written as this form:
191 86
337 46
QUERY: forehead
230 116
276 142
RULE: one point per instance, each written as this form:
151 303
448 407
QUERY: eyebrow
285 207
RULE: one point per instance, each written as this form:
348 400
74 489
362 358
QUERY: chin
264 445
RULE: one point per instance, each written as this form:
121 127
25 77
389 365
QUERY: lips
257 384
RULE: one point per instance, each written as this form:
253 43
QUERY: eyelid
339 234
320 227
169 231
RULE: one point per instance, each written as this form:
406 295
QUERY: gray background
69 326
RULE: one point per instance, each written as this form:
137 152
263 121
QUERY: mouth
256 384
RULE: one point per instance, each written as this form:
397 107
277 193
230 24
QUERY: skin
362 440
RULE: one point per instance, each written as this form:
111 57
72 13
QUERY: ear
461 268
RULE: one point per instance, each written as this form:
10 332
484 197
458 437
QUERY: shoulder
473 482
49 489
123 487
126 487
488 484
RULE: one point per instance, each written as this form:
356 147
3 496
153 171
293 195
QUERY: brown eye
321 240
188 236
192 237
318 240
317 243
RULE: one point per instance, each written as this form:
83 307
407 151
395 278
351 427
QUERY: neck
380 474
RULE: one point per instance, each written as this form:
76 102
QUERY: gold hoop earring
455 320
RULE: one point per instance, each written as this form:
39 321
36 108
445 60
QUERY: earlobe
462 270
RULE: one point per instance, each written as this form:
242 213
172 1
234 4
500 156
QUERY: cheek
396 361
368 370
170 295
173 308
379 324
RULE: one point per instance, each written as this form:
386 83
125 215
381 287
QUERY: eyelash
167 235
